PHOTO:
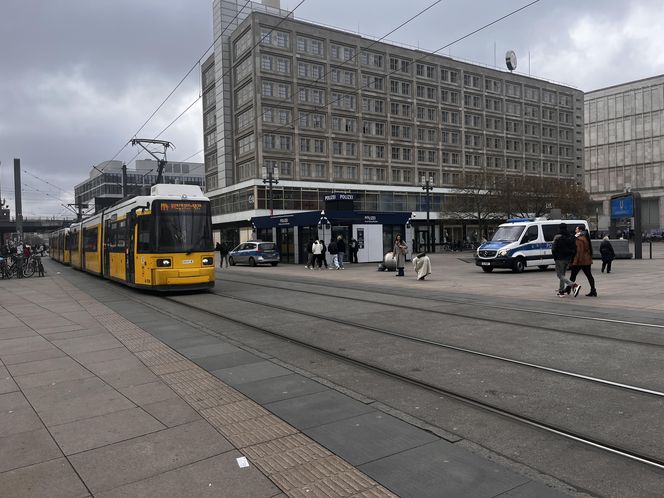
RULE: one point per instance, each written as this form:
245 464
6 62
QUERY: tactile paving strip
295 463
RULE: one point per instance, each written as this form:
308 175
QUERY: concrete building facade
624 147
337 112
104 185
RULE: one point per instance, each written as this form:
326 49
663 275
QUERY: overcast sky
79 77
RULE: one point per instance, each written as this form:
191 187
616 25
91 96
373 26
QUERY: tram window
121 235
90 239
144 239
184 227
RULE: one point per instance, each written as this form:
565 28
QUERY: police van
522 242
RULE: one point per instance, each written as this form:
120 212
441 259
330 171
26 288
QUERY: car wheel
231 261
487 269
543 267
519 265
252 262
274 264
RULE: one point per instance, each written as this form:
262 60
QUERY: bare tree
474 200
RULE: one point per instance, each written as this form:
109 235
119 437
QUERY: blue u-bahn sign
622 207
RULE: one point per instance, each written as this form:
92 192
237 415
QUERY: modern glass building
624 147
334 112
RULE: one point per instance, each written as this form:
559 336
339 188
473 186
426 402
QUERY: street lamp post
270 176
427 185
323 223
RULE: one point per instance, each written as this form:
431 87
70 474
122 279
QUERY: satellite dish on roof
510 60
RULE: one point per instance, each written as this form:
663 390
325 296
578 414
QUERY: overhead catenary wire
227 71
196 64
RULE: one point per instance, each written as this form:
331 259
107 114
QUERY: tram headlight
207 261
164 263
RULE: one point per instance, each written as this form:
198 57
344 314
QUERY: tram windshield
183 226
508 234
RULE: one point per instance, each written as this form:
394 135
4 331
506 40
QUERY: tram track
552 428
504 321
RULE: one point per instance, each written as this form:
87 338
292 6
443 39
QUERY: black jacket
606 250
341 245
564 247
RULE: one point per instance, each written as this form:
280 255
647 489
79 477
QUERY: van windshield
508 234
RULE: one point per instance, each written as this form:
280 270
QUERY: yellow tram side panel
75 252
118 266
93 257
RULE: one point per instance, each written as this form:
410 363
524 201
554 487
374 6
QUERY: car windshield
508 234
183 226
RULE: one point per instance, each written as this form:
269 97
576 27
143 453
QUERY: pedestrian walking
563 250
422 265
607 253
341 252
332 249
583 259
323 254
310 255
354 247
399 253
316 250
222 247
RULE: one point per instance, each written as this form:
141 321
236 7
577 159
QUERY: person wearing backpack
563 250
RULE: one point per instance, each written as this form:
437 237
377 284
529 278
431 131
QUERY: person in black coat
607 253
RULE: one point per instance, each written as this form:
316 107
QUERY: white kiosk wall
370 240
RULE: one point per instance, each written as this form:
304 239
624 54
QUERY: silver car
255 252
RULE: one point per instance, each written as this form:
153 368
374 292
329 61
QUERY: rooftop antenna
510 60
161 161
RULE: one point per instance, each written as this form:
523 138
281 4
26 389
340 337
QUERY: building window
309 45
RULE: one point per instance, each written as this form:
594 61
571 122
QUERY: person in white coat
422 265
317 250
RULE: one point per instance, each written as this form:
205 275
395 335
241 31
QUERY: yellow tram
161 242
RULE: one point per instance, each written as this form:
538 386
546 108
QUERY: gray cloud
79 77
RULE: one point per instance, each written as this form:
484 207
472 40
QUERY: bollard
651 249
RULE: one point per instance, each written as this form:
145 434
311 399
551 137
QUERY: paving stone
441 469
51 479
207 349
118 464
250 372
190 342
317 409
531 489
213 477
89 433
27 448
17 331
43 354
16 415
85 344
7 384
72 372
133 377
150 392
226 360
23 345
39 366
172 412
93 357
369 437
279 388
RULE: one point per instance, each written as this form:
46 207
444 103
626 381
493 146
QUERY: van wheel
231 261
252 262
543 267
487 269
274 264
519 265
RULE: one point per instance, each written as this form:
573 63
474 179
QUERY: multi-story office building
104 185
624 146
335 112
